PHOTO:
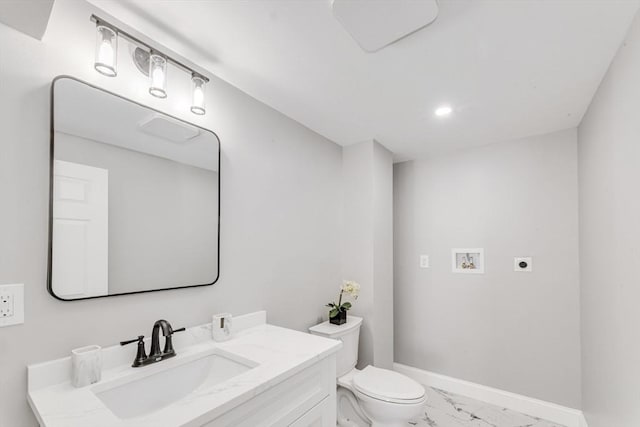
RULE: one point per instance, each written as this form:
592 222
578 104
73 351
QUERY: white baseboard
583 421
568 417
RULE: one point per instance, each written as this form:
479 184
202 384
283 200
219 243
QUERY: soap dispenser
221 327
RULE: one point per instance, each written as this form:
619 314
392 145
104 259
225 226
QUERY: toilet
372 396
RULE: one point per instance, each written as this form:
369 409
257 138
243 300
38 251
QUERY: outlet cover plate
12 304
424 261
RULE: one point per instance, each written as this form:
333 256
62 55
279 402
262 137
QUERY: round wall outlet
523 264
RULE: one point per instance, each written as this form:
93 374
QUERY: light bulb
157 77
105 53
198 96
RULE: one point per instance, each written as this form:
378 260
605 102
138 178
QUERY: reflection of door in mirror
80 230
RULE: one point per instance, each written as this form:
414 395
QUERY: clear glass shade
157 76
106 51
197 103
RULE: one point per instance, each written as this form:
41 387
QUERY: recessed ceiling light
443 111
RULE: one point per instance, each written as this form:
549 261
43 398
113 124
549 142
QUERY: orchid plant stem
349 287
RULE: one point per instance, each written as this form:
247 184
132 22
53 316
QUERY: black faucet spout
155 337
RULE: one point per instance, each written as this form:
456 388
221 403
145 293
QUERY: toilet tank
349 334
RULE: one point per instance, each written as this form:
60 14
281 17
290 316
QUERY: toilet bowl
372 396
380 398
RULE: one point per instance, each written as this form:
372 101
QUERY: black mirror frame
51 160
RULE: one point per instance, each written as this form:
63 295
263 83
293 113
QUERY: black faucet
155 355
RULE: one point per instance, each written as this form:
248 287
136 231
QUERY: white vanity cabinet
265 376
308 398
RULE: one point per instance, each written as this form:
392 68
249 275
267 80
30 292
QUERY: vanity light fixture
443 111
106 59
197 103
157 75
106 50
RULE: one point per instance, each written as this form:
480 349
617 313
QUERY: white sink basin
162 388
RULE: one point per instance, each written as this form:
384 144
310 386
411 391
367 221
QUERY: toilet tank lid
330 330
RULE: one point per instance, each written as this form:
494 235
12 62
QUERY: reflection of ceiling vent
376 24
165 127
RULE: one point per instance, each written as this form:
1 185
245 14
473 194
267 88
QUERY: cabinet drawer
321 415
284 403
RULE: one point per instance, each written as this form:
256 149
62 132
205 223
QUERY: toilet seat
388 386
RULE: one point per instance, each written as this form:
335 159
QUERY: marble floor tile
445 409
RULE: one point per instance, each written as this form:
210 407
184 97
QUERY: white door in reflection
80 230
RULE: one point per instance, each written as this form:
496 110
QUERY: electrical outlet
11 304
424 261
6 304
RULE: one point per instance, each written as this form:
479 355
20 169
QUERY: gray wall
510 330
367 249
609 166
383 356
163 216
281 209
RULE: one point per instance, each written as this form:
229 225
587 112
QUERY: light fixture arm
119 32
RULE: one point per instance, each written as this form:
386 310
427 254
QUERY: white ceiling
510 68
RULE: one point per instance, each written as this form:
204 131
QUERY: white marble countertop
276 352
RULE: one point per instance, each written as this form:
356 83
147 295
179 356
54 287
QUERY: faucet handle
141 355
168 343
140 338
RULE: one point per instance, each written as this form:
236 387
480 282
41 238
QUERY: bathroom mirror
134 197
